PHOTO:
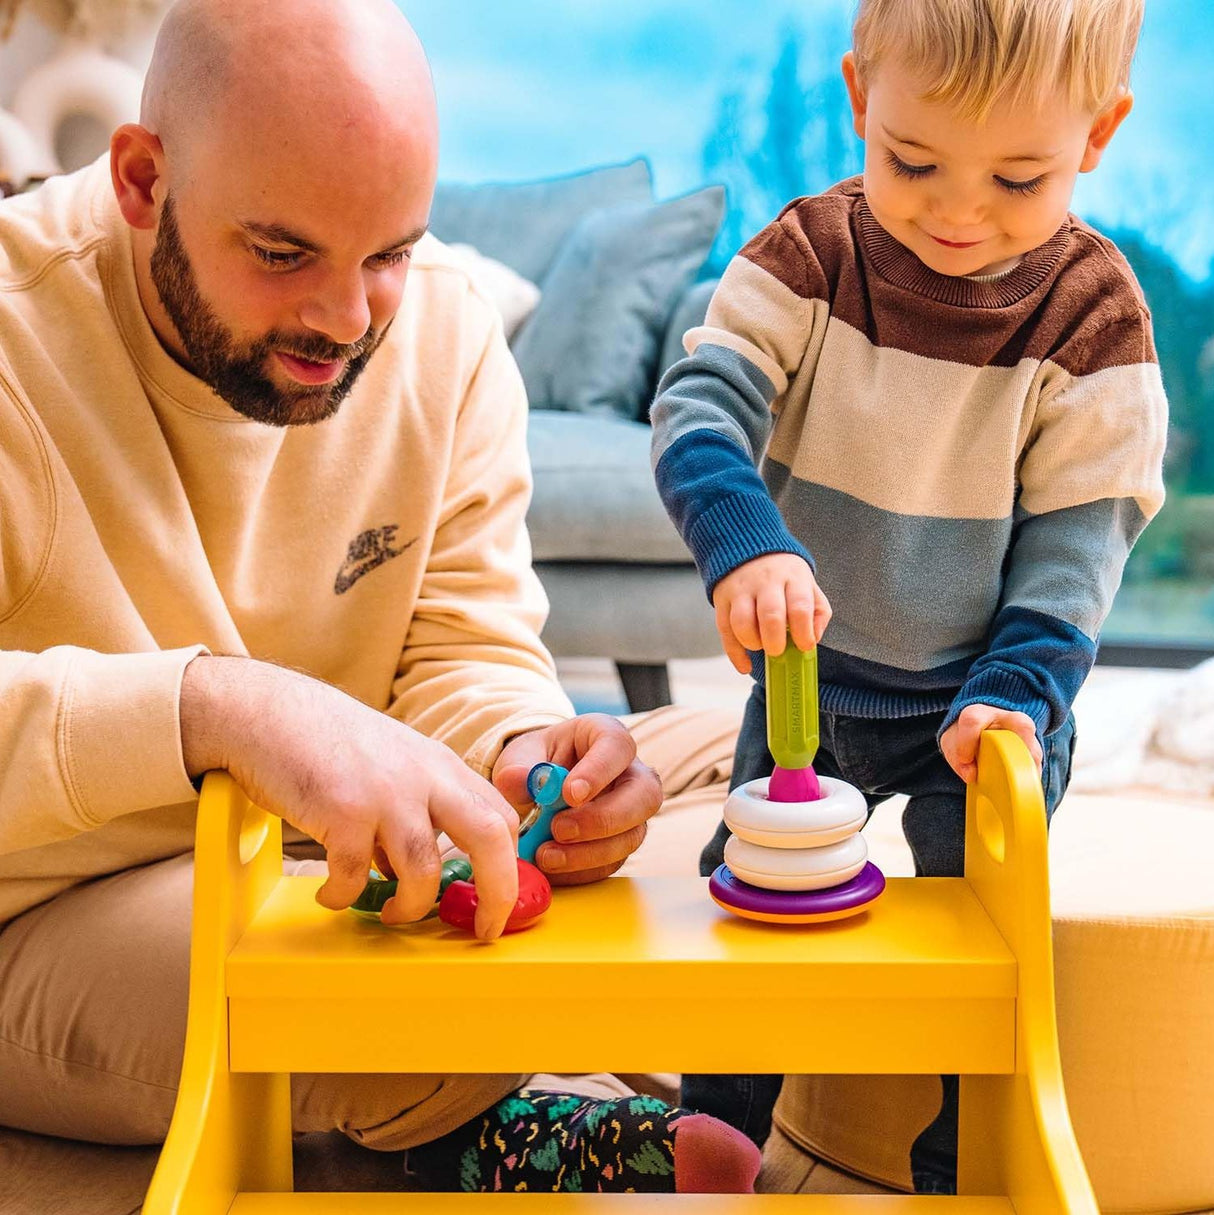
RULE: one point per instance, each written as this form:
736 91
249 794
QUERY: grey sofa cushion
630 613
595 499
592 345
690 312
523 224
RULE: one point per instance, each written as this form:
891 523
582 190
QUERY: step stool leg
1015 1135
231 1132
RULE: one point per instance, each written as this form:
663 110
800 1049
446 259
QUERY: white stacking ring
751 815
796 868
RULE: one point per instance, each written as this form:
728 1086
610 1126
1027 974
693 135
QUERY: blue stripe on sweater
1034 664
720 505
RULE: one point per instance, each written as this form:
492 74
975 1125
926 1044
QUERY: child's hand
959 743
759 603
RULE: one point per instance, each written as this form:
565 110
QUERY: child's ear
1107 122
855 93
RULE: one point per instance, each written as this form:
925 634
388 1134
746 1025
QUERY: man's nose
340 310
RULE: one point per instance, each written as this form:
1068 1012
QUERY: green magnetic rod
792 706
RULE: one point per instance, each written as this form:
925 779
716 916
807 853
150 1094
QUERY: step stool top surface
926 934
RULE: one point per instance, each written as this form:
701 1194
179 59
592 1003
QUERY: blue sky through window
531 88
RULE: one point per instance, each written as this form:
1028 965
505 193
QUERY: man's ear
855 92
136 165
1107 122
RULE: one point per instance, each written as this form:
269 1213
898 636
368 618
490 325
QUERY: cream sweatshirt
143 522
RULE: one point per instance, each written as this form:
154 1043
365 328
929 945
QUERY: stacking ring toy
752 815
796 907
796 868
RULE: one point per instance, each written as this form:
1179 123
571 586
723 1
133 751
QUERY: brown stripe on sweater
1073 300
789 258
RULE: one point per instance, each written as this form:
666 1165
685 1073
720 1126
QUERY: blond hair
973 53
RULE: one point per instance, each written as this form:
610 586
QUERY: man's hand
371 790
959 743
611 795
760 602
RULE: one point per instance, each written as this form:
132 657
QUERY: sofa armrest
688 313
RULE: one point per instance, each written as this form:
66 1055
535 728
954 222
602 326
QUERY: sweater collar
895 263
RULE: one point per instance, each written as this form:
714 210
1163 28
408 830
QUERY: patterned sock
541 1141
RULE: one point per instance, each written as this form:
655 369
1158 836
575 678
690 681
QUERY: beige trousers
93 1000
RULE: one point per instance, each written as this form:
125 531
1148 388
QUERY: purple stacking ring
796 906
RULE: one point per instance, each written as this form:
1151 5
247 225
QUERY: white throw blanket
1180 751
1146 728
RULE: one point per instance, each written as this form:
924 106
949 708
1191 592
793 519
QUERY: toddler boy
950 388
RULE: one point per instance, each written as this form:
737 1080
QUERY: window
750 95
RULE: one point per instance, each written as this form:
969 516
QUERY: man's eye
902 169
277 258
1022 187
387 260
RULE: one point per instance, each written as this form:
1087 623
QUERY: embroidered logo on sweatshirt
368 551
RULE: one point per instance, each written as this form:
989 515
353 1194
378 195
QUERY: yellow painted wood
923 937
229 1131
852 1035
935 966
1015 1134
922 982
615 1204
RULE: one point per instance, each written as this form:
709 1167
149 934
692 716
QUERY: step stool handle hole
254 827
991 830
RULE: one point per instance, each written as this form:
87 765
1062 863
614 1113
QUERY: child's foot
559 1141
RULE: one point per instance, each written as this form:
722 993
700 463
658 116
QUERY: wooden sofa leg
646 685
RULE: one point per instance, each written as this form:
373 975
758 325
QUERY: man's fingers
349 859
510 777
581 877
486 833
606 751
594 857
631 801
413 855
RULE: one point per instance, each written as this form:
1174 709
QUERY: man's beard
237 373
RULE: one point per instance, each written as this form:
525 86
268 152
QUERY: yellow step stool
941 975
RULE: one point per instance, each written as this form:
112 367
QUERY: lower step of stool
614 1204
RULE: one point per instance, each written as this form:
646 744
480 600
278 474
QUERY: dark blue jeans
881 757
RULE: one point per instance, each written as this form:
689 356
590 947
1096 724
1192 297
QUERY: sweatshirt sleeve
1090 481
714 409
473 671
85 738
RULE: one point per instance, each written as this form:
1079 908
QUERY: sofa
616 272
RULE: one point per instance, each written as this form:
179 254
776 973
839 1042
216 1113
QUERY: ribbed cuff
1002 689
119 734
737 530
484 752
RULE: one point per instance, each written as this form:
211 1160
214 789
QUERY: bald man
262 493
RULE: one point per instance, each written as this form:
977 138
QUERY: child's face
968 197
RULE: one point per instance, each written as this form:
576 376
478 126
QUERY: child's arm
711 423
1091 479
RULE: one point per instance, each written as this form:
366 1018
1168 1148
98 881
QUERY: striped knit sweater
965 463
